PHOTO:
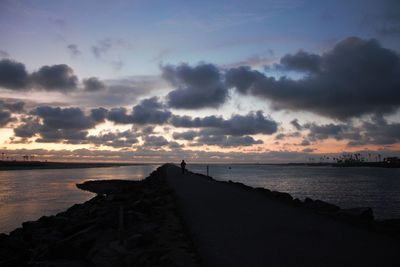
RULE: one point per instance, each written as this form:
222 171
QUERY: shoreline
73 236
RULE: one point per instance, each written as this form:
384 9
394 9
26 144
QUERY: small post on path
207 170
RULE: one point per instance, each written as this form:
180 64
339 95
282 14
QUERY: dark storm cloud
148 111
7 109
99 114
252 123
356 77
188 135
330 130
67 118
243 78
379 131
73 49
55 124
119 116
29 127
5 118
93 84
301 61
55 78
195 87
13 75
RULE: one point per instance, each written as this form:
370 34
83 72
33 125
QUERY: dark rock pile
127 224
360 216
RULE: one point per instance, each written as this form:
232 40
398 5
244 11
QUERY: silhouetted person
183 166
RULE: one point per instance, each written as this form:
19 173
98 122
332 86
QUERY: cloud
188 135
4 54
55 78
13 106
118 92
28 128
5 118
252 123
99 114
58 22
147 155
55 124
386 23
155 141
301 61
105 45
255 61
355 78
64 118
117 139
330 130
148 111
13 75
74 50
378 131
227 141
196 87
93 84
295 123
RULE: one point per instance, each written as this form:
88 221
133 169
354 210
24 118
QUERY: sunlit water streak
378 188
28 195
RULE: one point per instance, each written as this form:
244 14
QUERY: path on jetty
234 226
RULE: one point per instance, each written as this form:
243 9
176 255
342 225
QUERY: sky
209 81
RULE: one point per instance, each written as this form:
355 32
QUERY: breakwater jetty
175 219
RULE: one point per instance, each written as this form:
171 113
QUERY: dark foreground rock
127 224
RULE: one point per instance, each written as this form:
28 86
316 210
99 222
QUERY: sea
29 194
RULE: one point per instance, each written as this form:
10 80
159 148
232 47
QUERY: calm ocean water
27 195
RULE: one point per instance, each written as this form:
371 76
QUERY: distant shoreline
41 165
317 164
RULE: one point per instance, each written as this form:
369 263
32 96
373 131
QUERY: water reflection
29 194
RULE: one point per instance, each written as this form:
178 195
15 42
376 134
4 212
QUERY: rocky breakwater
128 223
359 216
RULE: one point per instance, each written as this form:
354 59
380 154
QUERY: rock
320 205
60 263
297 202
363 213
391 223
282 196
